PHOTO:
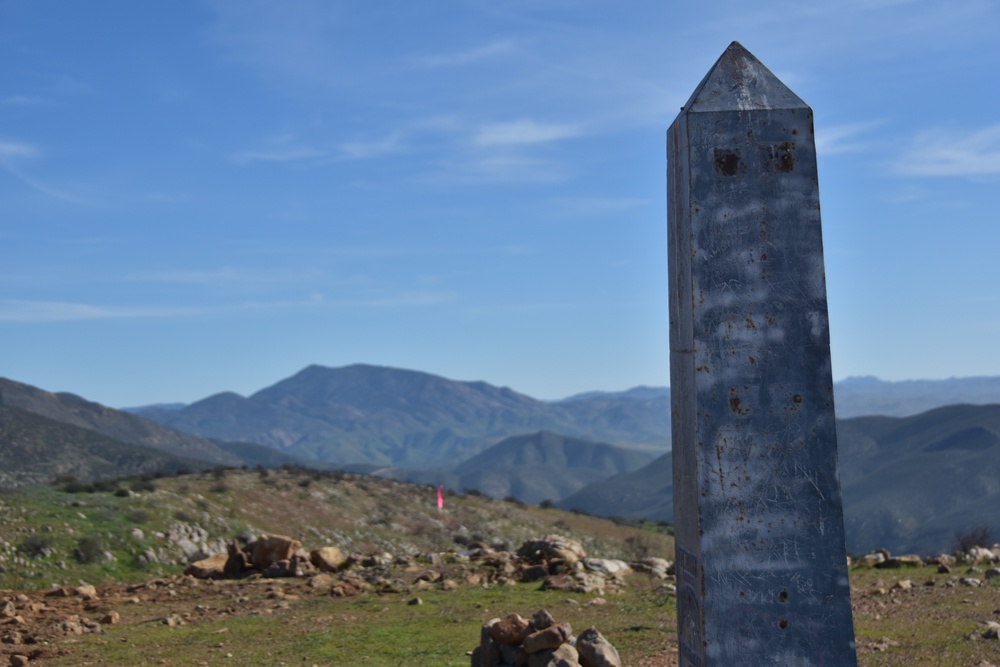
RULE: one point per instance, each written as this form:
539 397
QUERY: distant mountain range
909 481
378 416
381 416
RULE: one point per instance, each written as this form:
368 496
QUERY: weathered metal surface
761 563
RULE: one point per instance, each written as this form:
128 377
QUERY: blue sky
198 196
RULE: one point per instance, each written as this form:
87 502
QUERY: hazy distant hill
861 396
391 417
376 416
122 426
35 449
544 466
908 483
531 468
116 426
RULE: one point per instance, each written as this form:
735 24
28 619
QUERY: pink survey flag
440 497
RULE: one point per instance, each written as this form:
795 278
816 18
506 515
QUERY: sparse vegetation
89 549
36 546
978 536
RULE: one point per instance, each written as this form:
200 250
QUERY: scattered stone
415 602
237 561
534 573
903 585
72 627
564 655
558 582
909 560
992 630
552 547
549 638
111 618
542 619
15 638
18 660
267 550
213 567
511 630
596 651
173 621
327 559
884 644
607 566
978 554
658 567
972 582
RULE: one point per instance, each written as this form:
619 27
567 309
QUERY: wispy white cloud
502 167
361 150
35 312
847 138
228 275
523 131
487 51
23 101
950 153
13 154
407 299
283 154
12 151
62 311
284 42
594 206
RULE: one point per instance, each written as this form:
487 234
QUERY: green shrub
89 549
36 546
143 485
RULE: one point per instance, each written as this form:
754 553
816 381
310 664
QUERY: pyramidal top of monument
740 82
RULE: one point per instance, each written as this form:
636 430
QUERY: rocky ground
917 615
413 586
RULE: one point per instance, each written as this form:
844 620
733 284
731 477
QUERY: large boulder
327 559
552 547
596 651
237 561
267 550
213 567
607 566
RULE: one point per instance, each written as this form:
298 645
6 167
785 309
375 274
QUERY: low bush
89 549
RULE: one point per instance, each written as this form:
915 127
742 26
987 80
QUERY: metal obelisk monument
761 562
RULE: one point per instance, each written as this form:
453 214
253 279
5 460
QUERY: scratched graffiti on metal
756 491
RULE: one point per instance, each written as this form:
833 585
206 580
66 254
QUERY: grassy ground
371 630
